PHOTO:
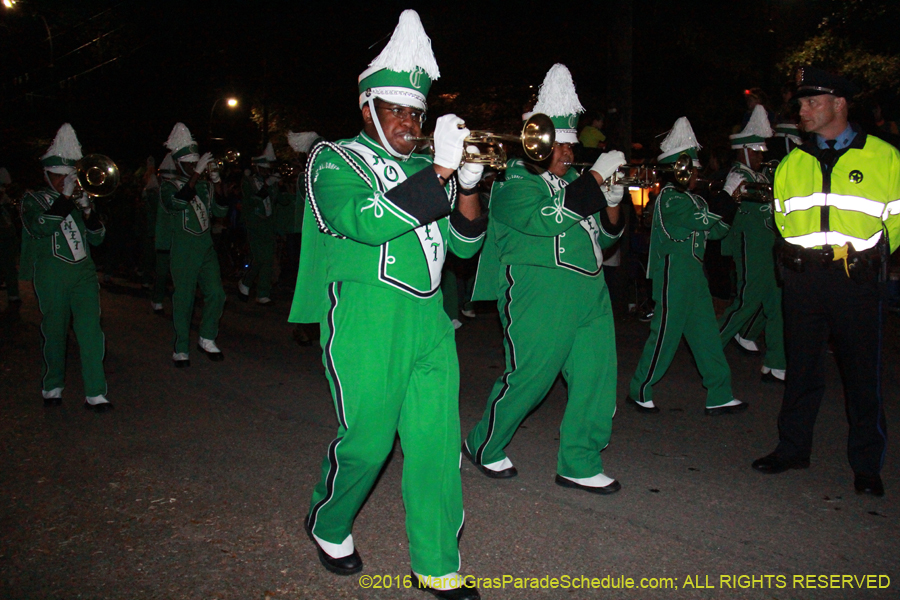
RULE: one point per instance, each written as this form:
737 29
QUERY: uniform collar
843 140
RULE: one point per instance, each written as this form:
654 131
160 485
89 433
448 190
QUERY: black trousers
818 303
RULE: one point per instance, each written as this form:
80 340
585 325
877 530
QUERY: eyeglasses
402 112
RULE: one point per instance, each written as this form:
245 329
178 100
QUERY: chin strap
384 143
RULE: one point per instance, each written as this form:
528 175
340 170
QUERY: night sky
124 72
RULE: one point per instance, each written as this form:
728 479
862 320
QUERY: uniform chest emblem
856 176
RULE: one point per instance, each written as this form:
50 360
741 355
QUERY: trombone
98 175
537 137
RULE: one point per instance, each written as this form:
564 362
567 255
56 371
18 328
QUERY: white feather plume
557 96
680 137
179 138
65 144
758 123
303 141
409 48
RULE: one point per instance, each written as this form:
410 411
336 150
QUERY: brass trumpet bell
97 175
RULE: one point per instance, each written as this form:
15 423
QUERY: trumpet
98 175
755 192
537 137
647 176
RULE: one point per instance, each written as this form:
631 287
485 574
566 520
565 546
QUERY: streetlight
231 102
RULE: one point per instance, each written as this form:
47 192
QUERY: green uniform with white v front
375 234
56 256
257 209
751 242
682 223
543 262
193 258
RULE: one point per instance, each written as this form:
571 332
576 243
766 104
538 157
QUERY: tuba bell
97 175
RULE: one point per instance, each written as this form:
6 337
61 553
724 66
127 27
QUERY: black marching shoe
51 402
640 407
467 591
104 407
504 474
730 409
611 488
868 484
774 464
346 565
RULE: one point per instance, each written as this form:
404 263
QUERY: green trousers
8 272
161 276
683 307
392 366
262 256
756 305
71 294
554 321
193 265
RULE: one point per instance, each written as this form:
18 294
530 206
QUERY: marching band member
836 206
543 263
193 257
162 238
682 222
751 243
260 192
9 239
59 226
303 334
379 221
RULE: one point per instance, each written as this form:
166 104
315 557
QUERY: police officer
837 206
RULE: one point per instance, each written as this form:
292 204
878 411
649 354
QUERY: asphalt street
197 484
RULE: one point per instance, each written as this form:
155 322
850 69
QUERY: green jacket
375 220
191 216
753 220
856 201
682 222
545 221
52 240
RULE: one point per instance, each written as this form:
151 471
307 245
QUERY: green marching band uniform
682 223
542 262
376 230
193 257
751 243
162 236
56 256
260 197
9 241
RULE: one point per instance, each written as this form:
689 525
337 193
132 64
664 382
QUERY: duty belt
863 265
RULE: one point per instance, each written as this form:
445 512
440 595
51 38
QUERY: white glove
732 183
448 141
82 201
69 184
608 163
470 174
272 179
614 195
203 163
